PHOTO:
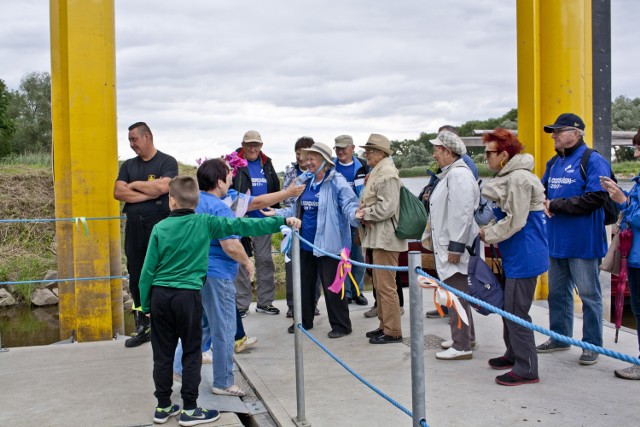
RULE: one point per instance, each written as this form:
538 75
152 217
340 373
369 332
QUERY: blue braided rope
359 264
355 374
60 219
529 325
75 279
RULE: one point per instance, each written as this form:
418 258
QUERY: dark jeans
521 346
325 268
176 313
634 289
137 231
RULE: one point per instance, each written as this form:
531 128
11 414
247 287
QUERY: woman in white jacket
451 206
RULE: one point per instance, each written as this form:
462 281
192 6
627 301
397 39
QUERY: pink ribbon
344 269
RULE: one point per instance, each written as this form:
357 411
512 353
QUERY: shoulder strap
584 161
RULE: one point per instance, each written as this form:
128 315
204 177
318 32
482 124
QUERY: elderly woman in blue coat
327 209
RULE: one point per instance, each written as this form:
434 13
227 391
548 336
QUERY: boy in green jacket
174 270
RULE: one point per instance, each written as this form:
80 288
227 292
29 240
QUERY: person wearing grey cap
354 170
451 207
259 177
379 213
575 201
327 208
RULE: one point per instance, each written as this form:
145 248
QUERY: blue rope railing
532 326
71 279
74 219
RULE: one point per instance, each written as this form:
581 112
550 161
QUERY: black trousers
176 313
137 231
337 309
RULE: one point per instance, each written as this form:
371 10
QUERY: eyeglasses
559 131
252 145
370 151
488 152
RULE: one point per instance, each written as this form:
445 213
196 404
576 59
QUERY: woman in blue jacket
520 232
327 210
629 204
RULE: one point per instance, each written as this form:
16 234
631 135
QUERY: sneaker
550 346
384 339
501 363
140 338
453 354
374 333
207 357
177 378
630 373
361 300
245 343
290 313
200 416
234 390
588 357
372 312
162 415
448 343
514 379
433 314
337 334
243 313
349 300
267 309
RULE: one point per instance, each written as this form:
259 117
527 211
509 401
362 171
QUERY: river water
22 326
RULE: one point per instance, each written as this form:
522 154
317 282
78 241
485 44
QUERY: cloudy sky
201 73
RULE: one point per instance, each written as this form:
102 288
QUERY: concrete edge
279 414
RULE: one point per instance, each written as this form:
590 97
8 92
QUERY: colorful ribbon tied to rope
285 245
81 220
344 269
442 297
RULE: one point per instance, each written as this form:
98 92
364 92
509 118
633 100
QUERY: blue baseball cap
565 120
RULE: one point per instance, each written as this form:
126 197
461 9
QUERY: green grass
29 159
626 169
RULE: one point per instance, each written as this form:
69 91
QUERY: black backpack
611 210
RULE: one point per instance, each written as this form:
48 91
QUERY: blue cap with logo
565 120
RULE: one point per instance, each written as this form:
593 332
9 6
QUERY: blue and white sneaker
161 415
200 416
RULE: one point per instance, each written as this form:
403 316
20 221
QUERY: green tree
625 113
31 112
7 127
507 121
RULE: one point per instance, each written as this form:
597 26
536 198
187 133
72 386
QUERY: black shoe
337 334
243 313
291 329
349 300
433 314
290 313
316 312
361 300
501 363
384 339
374 333
141 337
267 309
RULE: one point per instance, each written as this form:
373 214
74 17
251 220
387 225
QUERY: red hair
505 141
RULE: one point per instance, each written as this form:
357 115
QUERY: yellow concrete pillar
554 73
85 166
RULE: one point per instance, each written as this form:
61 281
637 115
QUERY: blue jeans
357 271
218 328
565 274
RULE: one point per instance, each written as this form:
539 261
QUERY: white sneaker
453 354
207 358
448 343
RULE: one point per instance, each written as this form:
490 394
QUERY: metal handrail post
297 319
417 341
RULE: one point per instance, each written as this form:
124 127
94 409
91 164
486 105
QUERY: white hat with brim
322 149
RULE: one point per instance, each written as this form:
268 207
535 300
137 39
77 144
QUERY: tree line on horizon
25 123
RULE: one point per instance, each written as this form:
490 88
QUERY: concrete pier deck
105 384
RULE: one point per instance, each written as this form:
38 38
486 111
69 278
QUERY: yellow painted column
85 166
554 74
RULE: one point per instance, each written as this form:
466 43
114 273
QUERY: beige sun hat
251 136
343 141
323 149
378 142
